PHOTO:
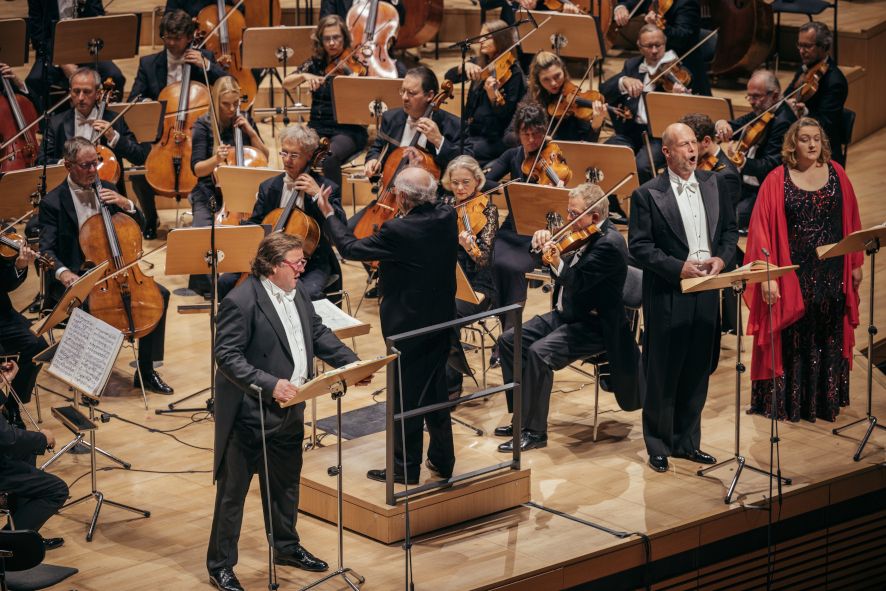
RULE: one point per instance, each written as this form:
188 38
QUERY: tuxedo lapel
267 308
68 123
275 193
161 69
664 198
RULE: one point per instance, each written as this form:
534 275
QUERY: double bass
747 34
226 43
373 25
16 113
421 22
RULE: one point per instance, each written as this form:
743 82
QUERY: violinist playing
156 72
588 316
332 44
497 86
63 212
826 89
761 152
548 82
627 89
477 224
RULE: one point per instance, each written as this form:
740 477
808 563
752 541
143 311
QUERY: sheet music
86 353
333 317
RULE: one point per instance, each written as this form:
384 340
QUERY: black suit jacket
268 199
826 105
629 128
59 231
394 121
16 443
61 129
416 255
10 280
731 176
251 347
682 22
484 118
768 154
153 69
43 14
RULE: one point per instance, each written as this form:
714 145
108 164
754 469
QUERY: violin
547 167
130 301
557 6
708 163
16 113
472 218
108 166
570 241
580 104
500 70
750 136
660 8
811 80
226 43
11 244
348 65
385 206
375 25
673 74
168 167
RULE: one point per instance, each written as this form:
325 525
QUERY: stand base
339 572
742 464
79 442
872 422
171 407
99 501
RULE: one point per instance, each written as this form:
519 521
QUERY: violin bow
8 385
773 107
677 61
116 118
33 123
125 268
489 192
13 223
518 42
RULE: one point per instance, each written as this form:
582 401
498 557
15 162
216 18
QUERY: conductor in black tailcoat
681 226
268 335
417 255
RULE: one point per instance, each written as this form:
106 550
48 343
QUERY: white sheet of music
333 317
86 353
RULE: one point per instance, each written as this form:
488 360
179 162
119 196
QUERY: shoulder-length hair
330 20
542 61
789 145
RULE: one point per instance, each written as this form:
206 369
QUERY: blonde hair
468 163
223 86
789 145
542 61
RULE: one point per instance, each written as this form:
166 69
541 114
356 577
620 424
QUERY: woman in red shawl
806 203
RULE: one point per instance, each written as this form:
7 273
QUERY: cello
374 25
421 22
108 166
747 34
227 23
243 156
16 113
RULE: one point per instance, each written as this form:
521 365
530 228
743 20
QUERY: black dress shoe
153 383
53 543
371 293
436 470
699 456
14 416
302 559
528 440
150 234
225 580
504 431
658 463
381 476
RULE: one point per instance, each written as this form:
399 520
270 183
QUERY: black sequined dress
816 375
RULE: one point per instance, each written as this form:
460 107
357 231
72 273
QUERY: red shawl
768 229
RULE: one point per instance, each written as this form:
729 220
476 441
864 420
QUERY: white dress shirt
409 132
284 303
576 256
649 73
173 68
692 212
83 127
746 178
290 192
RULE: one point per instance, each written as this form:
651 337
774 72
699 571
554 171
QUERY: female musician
806 203
209 151
463 178
491 102
547 77
332 41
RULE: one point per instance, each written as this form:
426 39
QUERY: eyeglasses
332 38
651 45
459 183
296 266
807 45
289 155
86 165
756 97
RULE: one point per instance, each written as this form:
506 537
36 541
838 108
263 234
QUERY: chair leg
596 397
138 369
37 403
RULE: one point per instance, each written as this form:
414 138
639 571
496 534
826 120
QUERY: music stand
19 187
534 207
14 45
868 241
144 119
603 164
336 382
737 280
566 35
238 185
362 100
270 48
464 291
221 249
77 41
664 108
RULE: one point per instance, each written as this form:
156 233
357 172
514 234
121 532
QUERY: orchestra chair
848 118
6 508
808 7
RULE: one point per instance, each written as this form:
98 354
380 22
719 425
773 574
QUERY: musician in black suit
63 212
39 495
42 17
764 91
268 336
193 7
826 104
156 72
416 255
15 333
588 317
681 226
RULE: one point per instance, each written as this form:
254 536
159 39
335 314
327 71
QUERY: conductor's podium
364 508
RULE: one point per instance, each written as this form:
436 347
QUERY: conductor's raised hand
323 201
284 391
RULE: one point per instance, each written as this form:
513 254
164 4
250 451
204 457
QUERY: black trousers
38 494
548 344
423 367
454 377
242 459
16 337
145 194
341 147
38 81
679 347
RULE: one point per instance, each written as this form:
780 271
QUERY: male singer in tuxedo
63 212
417 255
681 226
268 336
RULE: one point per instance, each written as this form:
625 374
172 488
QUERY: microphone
765 252
255 389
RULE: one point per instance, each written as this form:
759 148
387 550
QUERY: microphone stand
272 569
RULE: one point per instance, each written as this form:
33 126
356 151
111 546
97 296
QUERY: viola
130 301
661 7
811 80
226 43
11 245
108 166
557 6
580 104
472 218
348 65
169 164
374 24
16 113
546 168
570 241
750 136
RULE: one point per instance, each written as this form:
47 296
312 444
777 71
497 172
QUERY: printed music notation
86 353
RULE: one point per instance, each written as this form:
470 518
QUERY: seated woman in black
491 102
332 41
547 77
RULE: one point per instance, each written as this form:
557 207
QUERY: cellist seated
63 212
